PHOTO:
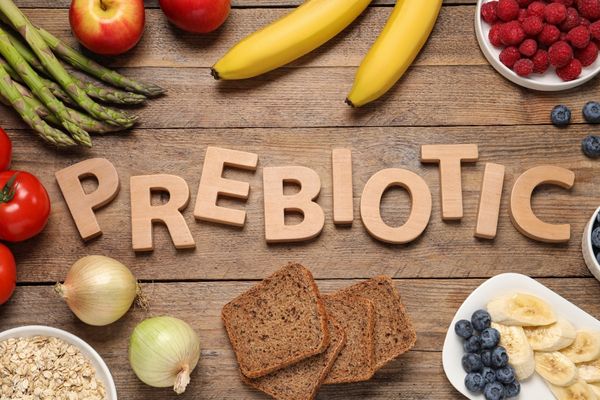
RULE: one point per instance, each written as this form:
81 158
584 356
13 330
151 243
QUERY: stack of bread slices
289 339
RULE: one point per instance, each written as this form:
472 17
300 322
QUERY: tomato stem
9 190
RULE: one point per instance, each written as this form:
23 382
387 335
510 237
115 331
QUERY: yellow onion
99 290
163 352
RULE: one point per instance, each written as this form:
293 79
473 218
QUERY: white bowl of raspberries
542 45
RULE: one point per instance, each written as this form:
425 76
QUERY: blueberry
596 238
591 146
489 375
499 357
472 344
490 338
512 389
464 329
481 320
474 382
591 112
494 391
472 362
560 115
505 375
486 358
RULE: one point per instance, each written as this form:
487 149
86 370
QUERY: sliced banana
553 337
520 354
595 388
585 348
590 372
521 309
577 391
556 368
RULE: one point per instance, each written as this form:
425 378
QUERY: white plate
102 371
548 82
534 387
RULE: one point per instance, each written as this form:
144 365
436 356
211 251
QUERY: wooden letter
489 202
521 213
370 205
82 205
212 185
276 204
343 202
144 214
450 157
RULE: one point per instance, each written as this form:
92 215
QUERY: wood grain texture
230 253
417 375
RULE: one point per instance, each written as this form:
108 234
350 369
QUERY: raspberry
567 3
595 30
549 35
571 21
555 13
533 25
508 10
571 71
589 9
488 12
512 34
541 63
584 22
495 36
579 37
522 15
560 54
523 67
588 55
536 8
509 56
528 47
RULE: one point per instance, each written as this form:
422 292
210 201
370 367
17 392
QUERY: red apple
107 27
198 16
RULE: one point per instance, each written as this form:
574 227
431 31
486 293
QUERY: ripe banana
520 354
595 388
393 52
585 348
552 337
577 391
522 310
590 372
556 368
296 34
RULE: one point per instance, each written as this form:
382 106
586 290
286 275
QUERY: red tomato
5 151
8 274
24 206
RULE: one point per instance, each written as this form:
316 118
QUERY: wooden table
295 116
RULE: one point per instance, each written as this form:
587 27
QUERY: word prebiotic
276 204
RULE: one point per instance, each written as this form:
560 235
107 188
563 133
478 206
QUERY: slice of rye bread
302 380
278 322
394 331
356 362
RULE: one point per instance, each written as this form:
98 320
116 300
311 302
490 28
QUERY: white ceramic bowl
102 372
534 387
588 249
548 82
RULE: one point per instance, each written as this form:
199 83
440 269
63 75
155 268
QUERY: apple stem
102 5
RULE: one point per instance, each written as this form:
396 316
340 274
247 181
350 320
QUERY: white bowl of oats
46 362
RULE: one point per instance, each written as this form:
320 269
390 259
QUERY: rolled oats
46 368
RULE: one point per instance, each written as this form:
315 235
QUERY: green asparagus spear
93 90
32 79
45 131
55 69
85 64
86 122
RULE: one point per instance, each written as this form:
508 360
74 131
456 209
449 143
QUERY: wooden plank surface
417 375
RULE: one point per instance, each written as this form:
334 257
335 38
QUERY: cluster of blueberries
485 362
561 116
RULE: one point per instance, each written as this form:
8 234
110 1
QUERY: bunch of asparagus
61 107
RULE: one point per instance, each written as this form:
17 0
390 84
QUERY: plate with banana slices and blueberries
515 338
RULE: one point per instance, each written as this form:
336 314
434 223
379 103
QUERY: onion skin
99 290
163 351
